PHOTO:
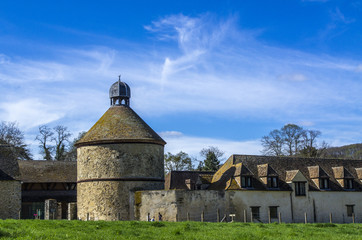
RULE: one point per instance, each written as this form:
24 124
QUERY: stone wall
241 201
181 205
10 199
109 174
336 203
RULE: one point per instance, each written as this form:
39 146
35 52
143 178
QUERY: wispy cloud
29 112
337 15
214 67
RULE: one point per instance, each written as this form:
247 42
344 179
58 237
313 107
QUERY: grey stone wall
181 205
100 199
72 211
10 199
51 209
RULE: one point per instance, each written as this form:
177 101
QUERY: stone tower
119 155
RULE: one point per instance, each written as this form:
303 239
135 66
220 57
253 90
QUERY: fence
218 216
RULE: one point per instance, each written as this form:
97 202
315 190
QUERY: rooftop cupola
119 93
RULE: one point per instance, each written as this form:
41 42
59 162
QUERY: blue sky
202 73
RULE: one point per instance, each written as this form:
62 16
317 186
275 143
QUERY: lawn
62 229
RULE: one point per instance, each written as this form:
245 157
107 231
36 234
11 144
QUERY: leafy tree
200 166
179 162
44 137
212 157
61 138
13 138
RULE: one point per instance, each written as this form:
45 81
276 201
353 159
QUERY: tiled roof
120 124
47 171
341 172
290 175
285 167
176 179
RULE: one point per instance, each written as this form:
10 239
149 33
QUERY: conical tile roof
120 124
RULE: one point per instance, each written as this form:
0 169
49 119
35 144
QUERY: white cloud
170 134
193 145
359 68
306 123
29 113
297 77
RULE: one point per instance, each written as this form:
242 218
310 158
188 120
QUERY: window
273 211
255 212
299 188
323 183
246 182
272 182
350 210
348 183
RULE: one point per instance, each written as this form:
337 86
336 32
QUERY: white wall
317 205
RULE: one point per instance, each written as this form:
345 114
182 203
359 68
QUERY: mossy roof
120 124
39 171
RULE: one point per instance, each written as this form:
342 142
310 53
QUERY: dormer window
299 188
344 177
348 183
324 183
272 182
246 182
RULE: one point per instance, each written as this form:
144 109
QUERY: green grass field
41 229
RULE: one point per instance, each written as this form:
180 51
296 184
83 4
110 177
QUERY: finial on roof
119 93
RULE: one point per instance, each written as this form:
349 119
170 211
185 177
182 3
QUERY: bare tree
292 135
72 153
273 143
44 137
291 140
310 136
11 136
61 138
309 143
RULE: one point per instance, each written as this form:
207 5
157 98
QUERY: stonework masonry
10 199
109 174
182 205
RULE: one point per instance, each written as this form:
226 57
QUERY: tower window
272 182
299 188
246 182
